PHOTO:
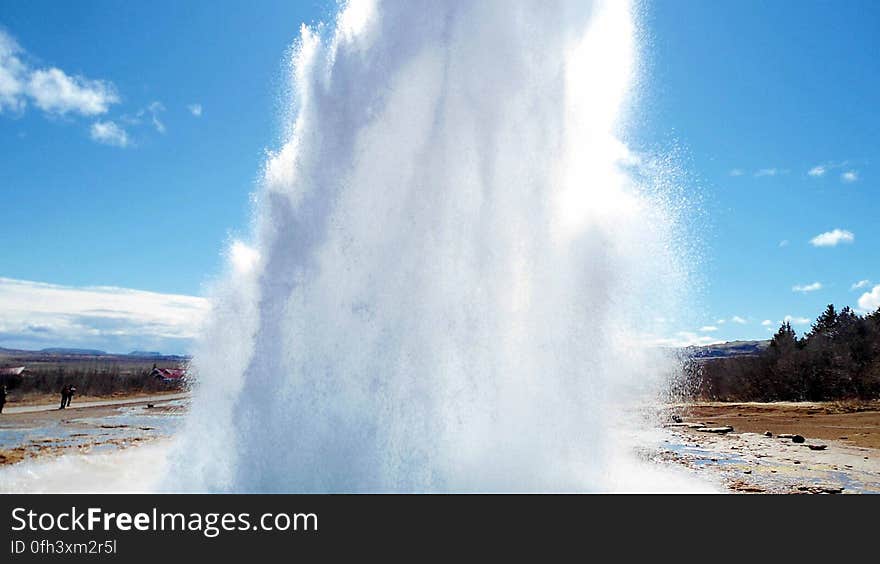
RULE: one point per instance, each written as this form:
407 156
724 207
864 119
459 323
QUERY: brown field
854 423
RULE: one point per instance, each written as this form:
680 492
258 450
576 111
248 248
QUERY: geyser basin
456 258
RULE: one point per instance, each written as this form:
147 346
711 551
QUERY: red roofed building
169 374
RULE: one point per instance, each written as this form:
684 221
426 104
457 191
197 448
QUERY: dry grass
92 378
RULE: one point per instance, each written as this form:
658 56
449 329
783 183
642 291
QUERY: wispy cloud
859 285
783 243
109 133
195 109
805 288
37 315
833 238
155 108
736 172
738 319
708 328
766 323
818 170
684 339
849 176
50 89
769 172
794 320
870 301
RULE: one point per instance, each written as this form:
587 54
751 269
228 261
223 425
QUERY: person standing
70 391
2 397
64 391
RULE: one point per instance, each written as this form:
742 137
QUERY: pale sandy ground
749 461
11 409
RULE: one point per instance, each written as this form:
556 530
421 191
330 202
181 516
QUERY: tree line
839 358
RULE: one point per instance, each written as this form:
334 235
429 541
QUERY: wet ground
756 463
97 435
89 427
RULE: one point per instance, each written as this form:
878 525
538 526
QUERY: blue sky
129 160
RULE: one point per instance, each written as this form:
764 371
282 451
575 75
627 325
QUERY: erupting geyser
456 265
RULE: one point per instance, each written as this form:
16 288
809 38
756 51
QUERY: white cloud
771 172
38 315
818 170
796 320
738 319
242 257
50 89
783 243
736 172
870 301
860 284
766 323
13 75
55 92
684 339
108 133
195 109
850 176
721 322
807 287
708 328
833 238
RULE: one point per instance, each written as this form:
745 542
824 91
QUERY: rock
821 489
768 434
151 405
817 447
721 430
798 439
676 418
741 486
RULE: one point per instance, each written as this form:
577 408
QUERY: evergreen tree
785 340
826 325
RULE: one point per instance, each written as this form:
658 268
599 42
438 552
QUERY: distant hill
727 350
61 350
58 354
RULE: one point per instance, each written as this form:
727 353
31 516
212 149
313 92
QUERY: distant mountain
727 350
61 350
145 354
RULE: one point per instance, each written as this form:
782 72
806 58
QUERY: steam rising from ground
453 251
